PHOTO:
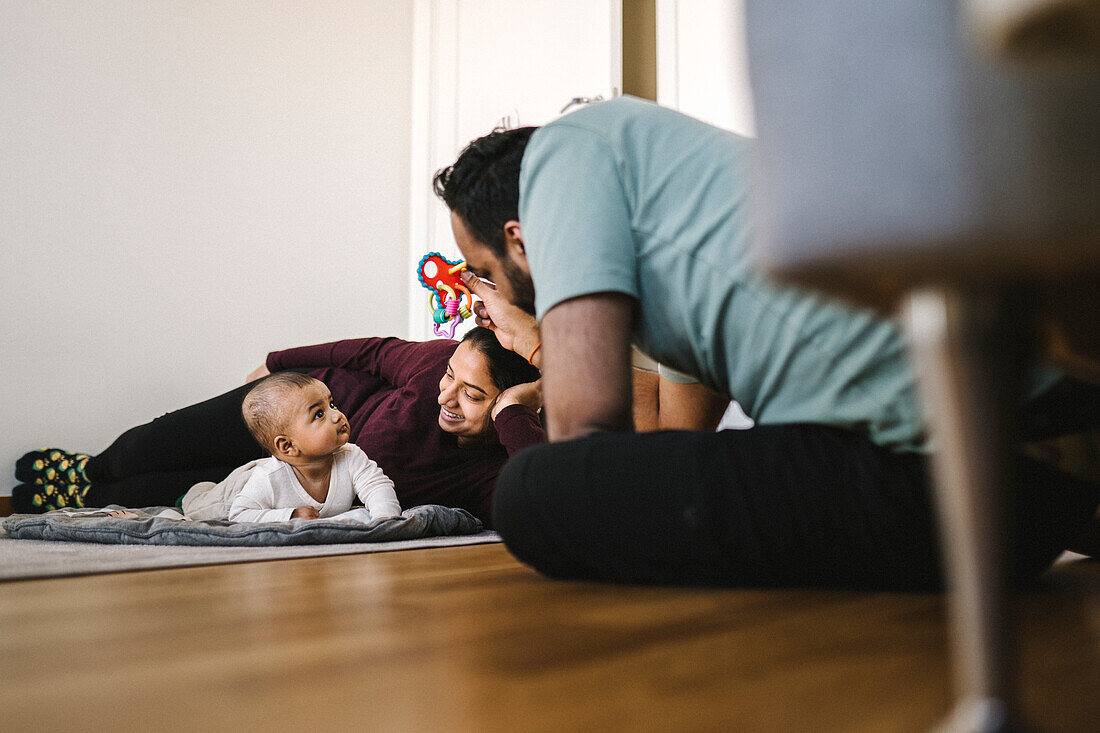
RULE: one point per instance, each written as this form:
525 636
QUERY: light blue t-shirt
625 196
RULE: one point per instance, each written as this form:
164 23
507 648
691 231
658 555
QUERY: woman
439 417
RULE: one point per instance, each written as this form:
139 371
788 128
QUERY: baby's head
292 416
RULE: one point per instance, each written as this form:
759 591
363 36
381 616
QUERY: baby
313 471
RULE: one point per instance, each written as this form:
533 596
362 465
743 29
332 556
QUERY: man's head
293 416
482 191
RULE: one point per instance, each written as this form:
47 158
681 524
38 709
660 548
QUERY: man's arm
586 365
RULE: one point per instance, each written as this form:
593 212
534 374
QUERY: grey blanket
166 526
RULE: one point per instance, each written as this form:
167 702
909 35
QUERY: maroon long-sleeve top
388 389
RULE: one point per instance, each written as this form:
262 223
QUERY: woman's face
466 396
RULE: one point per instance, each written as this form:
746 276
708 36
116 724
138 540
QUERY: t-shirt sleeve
393 359
576 217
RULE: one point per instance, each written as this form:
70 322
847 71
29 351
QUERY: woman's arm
392 359
516 417
258 373
360 354
519 426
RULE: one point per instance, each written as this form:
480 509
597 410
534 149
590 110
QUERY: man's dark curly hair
482 186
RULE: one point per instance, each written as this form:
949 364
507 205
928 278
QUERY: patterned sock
40 498
52 465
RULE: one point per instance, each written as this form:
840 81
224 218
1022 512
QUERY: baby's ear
284 446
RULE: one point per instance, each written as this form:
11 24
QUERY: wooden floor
466 639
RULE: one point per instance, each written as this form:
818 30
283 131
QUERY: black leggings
156 463
797 505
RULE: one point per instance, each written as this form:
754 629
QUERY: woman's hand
257 373
516 329
528 393
304 512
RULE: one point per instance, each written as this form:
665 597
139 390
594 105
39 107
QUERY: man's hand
305 512
257 373
516 329
528 393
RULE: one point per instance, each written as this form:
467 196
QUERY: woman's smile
466 394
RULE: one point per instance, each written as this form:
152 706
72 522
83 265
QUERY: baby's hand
305 512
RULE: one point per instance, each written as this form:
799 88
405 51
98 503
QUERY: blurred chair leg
970 348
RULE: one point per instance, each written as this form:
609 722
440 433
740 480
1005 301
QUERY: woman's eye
320 414
473 398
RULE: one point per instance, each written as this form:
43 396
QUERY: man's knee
512 509
530 511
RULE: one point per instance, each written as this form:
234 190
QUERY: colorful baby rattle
442 278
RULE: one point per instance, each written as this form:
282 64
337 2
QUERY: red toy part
436 271
443 279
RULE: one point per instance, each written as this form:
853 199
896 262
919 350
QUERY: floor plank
467 639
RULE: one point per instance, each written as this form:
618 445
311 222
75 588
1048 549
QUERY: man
625 222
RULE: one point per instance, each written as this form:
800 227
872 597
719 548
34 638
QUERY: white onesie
273 492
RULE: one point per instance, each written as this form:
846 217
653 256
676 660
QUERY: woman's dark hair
482 186
506 368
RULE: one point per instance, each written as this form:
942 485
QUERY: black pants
771 506
156 463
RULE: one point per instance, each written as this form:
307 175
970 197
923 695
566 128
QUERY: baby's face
466 395
313 423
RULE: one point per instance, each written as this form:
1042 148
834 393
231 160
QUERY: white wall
702 62
185 186
481 62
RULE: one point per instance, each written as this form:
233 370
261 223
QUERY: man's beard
523 289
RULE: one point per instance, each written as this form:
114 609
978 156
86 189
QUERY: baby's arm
256 503
374 488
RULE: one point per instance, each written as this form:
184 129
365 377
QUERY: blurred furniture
935 157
